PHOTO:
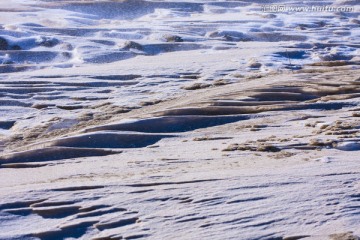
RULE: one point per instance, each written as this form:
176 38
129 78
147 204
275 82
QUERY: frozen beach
183 119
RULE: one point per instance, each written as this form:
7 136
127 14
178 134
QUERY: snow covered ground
179 120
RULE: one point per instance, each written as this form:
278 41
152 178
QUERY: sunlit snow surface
66 63
53 53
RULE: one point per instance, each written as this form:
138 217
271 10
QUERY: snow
178 120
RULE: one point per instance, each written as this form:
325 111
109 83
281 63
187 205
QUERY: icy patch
348 146
324 159
66 123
